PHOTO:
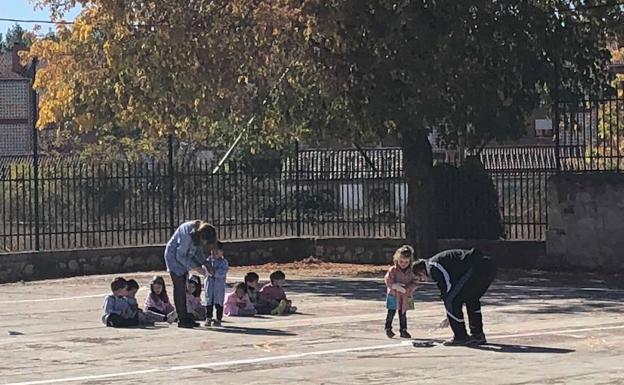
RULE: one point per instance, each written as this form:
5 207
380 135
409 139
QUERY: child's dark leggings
116 321
219 312
402 319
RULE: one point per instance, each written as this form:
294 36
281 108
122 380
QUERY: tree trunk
420 228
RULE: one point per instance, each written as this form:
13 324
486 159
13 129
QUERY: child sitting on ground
251 283
273 297
117 311
401 283
157 300
237 303
193 298
216 269
145 317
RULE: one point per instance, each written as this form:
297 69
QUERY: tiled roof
519 158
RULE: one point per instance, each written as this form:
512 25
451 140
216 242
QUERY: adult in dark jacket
463 277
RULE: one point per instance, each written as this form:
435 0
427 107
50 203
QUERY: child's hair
118 283
405 251
277 275
198 286
203 231
219 245
251 277
132 285
163 294
419 266
240 286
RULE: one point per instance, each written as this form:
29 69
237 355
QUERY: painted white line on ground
59 298
285 357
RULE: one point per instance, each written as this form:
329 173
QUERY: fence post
556 120
297 189
171 180
35 149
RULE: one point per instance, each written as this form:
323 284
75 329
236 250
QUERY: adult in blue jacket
463 277
187 250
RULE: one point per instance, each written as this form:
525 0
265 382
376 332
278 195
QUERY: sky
24 9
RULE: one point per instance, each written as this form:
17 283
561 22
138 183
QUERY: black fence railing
590 135
342 193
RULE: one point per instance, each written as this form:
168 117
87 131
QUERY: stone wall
586 221
67 263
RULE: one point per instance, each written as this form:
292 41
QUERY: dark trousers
469 291
117 321
179 297
402 319
209 311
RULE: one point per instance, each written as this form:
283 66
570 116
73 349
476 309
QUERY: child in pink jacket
193 298
237 303
401 283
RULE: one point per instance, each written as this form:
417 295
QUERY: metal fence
590 135
71 203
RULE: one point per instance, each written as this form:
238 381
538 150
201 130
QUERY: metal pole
298 190
171 178
556 120
35 149
249 122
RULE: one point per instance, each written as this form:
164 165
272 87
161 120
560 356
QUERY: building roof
519 158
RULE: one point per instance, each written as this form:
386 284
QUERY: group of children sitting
121 307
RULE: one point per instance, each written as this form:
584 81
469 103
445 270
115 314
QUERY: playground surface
543 329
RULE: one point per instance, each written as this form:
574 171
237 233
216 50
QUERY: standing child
273 298
193 298
237 303
251 283
216 274
157 300
401 283
117 311
145 317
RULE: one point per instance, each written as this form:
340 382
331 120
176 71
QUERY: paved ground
542 331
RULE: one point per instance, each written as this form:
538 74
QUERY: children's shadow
505 348
252 331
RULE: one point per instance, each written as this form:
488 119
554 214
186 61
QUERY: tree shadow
568 298
250 331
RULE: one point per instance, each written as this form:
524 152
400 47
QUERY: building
16 117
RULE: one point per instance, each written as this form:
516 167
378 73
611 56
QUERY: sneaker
187 325
293 309
405 334
280 308
172 317
477 339
217 323
208 323
390 333
456 342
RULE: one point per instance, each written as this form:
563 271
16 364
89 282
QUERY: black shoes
405 334
390 333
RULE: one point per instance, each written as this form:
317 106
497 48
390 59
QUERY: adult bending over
463 277
186 251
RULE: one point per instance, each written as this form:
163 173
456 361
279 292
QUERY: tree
364 68
199 70
470 70
2 45
16 35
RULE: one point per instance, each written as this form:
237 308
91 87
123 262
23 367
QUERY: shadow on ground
539 299
494 347
250 331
